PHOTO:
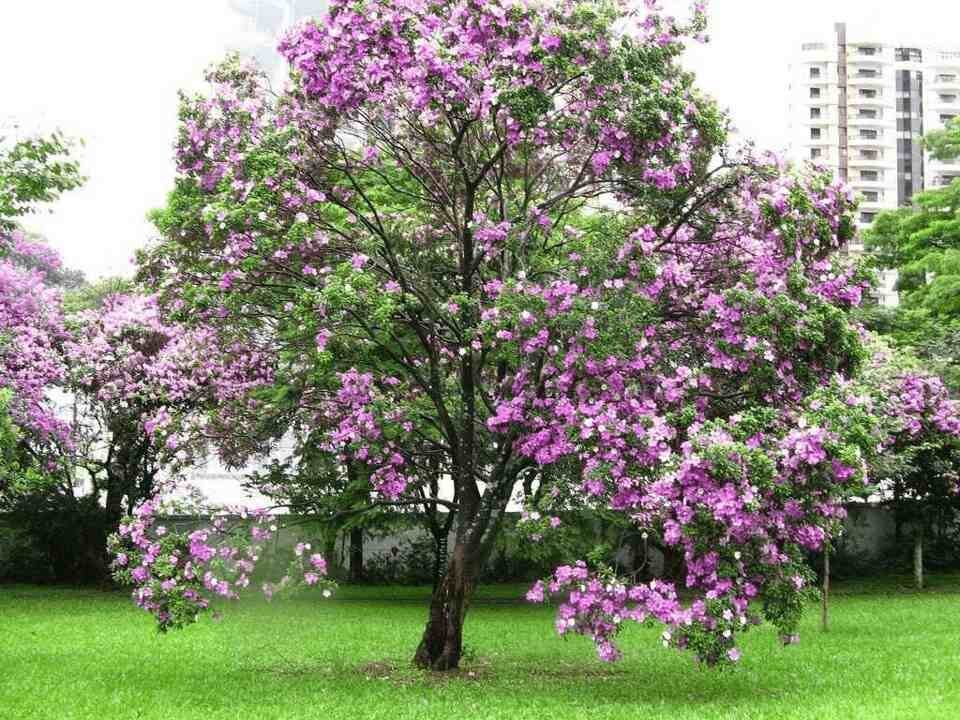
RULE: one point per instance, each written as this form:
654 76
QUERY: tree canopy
483 240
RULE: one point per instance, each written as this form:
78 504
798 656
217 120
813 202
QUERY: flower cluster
31 331
176 575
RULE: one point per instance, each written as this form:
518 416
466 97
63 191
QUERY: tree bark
442 643
825 595
918 556
356 554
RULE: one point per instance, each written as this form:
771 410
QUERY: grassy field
891 653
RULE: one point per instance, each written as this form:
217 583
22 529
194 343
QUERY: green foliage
923 244
944 144
90 296
36 170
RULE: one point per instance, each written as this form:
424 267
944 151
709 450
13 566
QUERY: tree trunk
356 554
442 643
918 557
825 596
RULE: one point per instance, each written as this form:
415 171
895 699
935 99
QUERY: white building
859 106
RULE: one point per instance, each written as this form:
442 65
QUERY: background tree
944 144
922 242
32 171
919 469
567 266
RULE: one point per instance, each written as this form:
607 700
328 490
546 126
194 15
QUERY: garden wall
406 554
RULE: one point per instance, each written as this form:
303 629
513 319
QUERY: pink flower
317 561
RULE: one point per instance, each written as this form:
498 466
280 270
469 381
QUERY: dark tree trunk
442 643
356 554
825 596
918 556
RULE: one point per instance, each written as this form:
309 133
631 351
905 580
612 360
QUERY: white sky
108 71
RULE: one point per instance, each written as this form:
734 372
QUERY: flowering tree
920 465
487 239
31 333
32 171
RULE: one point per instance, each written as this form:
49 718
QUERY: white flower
326 593
594 305
301 217
737 555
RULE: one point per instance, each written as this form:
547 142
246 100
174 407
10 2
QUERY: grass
67 653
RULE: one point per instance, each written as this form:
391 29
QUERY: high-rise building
859 106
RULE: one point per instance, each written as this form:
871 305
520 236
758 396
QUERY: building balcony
944 180
859 184
871 163
855 82
933 109
877 123
855 141
878 102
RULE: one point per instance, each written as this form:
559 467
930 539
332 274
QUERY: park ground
66 653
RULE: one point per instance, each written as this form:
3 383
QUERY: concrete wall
868 533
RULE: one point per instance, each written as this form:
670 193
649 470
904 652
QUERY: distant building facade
860 105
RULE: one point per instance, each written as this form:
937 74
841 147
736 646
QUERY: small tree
922 460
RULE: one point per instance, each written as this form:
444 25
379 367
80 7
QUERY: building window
946 78
867 73
946 117
814 92
947 98
868 134
869 175
866 50
903 54
867 217
869 154
814 133
871 195
814 112
867 92
814 72
816 152
904 124
867 113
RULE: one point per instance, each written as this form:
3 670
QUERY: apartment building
859 106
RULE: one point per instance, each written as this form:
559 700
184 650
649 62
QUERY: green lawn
69 653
